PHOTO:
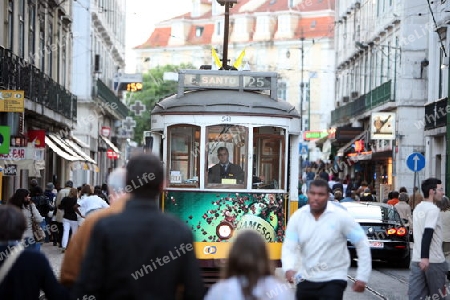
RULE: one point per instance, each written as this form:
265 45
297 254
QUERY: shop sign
15 153
12 101
106 131
360 156
314 135
382 126
10 170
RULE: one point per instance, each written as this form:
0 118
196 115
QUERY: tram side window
268 158
227 152
184 159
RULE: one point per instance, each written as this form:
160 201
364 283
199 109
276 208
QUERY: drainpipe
447 139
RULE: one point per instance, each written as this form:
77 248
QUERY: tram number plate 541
226 119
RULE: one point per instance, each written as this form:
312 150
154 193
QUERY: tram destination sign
227 81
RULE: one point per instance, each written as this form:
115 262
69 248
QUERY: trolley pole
228 4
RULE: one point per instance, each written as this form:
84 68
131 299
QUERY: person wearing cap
60 213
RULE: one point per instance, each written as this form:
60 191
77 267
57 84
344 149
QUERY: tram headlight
224 230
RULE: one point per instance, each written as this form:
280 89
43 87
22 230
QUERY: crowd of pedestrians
121 246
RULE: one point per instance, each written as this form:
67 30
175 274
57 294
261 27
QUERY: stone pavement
54 255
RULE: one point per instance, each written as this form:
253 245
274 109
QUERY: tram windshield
227 152
184 158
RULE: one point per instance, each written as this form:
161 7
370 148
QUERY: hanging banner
4 139
38 137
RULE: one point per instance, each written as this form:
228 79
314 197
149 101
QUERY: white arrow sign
416 159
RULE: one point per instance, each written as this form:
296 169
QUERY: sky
142 15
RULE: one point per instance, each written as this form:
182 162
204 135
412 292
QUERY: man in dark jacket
140 253
225 169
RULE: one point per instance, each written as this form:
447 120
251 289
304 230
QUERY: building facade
436 109
98 55
293 38
381 88
35 67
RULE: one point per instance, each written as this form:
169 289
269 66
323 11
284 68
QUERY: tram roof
214 101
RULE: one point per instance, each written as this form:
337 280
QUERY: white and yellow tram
234 114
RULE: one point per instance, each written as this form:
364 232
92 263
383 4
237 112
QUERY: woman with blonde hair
248 273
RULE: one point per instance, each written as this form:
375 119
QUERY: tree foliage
154 89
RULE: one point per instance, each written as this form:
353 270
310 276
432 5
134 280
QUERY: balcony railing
17 74
111 99
364 103
436 114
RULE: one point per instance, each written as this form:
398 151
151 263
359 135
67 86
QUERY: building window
50 47
199 31
196 8
42 38
22 28
263 24
32 32
305 92
219 28
313 24
282 91
284 23
63 58
10 24
443 72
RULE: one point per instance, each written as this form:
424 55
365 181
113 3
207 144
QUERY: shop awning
79 151
110 144
80 142
342 150
60 143
60 152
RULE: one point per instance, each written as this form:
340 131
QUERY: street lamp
228 4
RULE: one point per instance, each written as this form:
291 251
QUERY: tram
230 149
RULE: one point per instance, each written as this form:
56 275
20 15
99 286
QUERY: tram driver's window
268 158
184 156
227 152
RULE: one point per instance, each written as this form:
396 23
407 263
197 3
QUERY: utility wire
435 25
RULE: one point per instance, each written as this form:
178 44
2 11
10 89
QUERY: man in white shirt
428 266
316 239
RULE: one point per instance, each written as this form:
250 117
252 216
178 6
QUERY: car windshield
374 213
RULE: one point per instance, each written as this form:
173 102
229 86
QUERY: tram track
369 289
383 293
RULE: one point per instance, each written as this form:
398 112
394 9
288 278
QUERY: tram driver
225 170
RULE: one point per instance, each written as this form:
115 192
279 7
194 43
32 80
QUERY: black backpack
43 204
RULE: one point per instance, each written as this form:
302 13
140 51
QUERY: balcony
116 107
436 114
17 74
363 104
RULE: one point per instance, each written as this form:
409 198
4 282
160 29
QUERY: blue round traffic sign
415 162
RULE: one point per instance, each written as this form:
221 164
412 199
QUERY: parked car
387 234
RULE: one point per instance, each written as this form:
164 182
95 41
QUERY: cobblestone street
54 255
